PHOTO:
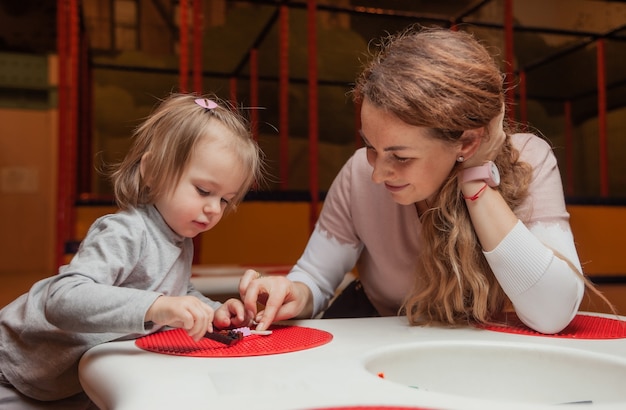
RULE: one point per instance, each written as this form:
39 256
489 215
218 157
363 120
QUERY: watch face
495 174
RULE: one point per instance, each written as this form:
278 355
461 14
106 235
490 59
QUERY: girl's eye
202 192
225 201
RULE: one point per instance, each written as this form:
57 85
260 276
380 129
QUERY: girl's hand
282 298
231 314
186 312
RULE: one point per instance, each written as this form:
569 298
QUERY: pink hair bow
206 103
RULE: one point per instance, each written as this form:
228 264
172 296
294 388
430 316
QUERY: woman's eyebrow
395 148
387 149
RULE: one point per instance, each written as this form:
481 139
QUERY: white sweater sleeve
545 291
323 265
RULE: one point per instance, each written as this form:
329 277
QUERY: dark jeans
352 302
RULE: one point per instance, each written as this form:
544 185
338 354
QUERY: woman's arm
322 267
543 286
331 252
535 262
306 290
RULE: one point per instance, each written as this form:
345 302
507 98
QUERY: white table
120 376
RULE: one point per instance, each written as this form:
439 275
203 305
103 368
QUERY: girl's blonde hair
168 136
448 82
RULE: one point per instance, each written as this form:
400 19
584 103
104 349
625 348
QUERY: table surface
119 375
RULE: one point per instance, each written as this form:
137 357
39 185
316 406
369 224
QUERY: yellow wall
601 243
28 147
276 233
257 233
600 235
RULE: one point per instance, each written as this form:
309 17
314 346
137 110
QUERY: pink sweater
361 225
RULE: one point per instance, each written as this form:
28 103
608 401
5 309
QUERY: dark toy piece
227 337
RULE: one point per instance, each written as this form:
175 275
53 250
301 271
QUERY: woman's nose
379 172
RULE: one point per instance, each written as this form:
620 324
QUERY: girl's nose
213 205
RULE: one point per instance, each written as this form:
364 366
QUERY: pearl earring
461 158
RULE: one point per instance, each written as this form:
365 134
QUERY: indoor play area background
77 76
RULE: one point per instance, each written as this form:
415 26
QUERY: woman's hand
187 312
282 298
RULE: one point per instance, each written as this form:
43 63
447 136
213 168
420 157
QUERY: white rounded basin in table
504 371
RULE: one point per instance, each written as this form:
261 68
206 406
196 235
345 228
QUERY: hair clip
206 103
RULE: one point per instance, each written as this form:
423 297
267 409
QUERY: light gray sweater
126 261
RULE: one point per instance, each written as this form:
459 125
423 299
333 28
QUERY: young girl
192 160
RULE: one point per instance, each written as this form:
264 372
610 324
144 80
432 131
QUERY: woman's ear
470 141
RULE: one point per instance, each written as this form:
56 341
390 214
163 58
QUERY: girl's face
411 164
212 178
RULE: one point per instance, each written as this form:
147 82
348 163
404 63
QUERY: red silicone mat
581 327
284 339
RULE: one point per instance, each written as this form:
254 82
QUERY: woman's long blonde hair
448 82
456 283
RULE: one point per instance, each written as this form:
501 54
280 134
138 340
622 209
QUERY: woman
446 216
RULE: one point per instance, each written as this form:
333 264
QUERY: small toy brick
227 337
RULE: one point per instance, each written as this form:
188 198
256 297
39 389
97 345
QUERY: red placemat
284 339
581 327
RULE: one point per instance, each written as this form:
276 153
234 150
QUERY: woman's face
411 164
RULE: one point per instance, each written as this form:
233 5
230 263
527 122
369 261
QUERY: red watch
487 172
